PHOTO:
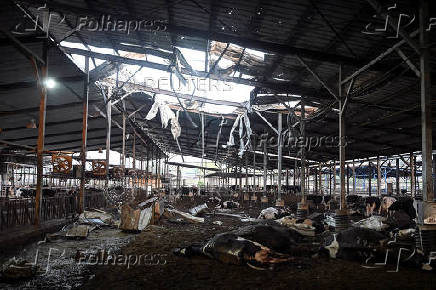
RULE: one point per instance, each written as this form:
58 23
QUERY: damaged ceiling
269 45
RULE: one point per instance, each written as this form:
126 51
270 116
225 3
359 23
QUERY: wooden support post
84 136
426 102
41 136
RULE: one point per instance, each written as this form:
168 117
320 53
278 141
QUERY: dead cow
355 244
259 246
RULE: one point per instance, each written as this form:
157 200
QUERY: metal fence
18 212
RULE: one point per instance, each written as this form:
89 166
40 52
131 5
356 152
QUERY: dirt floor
173 272
161 269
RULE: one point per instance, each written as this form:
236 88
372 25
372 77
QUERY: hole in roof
204 87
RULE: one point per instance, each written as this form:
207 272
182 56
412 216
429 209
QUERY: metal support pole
279 161
397 175
295 172
108 138
342 101
134 163
334 177
330 179
412 175
254 164
378 177
123 150
147 174
246 173
426 103
84 136
240 177
265 167
320 178
287 178
354 178
369 177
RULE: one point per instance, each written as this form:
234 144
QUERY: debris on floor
184 215
79 232
198 210
17 269
138 217
230 204
97 217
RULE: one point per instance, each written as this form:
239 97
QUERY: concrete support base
302 210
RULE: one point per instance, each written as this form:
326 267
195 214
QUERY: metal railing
18 212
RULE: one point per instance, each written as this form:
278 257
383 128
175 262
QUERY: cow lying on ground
258 246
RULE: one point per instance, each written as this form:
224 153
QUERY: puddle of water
59 263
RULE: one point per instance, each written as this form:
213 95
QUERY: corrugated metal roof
383 116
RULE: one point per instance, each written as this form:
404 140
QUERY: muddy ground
160 269
204 273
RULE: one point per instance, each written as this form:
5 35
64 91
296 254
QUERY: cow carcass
259 246
355 244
